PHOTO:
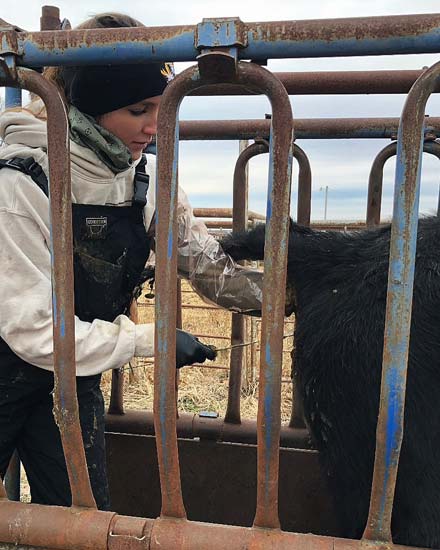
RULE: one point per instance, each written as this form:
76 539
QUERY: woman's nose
150 127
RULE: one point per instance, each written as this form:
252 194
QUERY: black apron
111 247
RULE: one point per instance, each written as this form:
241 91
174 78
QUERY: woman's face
135 124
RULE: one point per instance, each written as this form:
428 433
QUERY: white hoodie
25 273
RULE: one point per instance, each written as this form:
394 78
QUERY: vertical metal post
116 405
12 478
303 218
50 18
398 309
13 98
239 223
303 208
65 400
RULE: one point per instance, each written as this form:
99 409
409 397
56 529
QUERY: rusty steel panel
218 483
375 179
389 432
307 128
65 400
165 413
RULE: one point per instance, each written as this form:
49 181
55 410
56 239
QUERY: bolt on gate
82 526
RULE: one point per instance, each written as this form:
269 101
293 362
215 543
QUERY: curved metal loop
280 163
239 223
389 432
375 180
65 399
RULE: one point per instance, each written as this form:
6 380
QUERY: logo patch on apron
96 227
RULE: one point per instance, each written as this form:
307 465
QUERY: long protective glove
190 350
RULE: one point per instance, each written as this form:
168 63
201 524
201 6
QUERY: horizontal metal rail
97 530
355 36
192 426
305 128
224 213
331 82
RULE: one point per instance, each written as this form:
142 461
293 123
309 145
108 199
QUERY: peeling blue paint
261 45
268 419
62 325
12 97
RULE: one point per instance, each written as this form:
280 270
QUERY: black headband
99 89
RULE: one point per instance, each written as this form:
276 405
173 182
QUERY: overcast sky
206 168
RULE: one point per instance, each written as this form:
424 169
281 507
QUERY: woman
112 114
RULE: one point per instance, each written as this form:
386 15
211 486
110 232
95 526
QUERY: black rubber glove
190 350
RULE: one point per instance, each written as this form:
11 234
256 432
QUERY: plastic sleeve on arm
211 272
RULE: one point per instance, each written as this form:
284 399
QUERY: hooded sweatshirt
25 278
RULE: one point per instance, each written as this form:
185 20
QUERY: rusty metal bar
193 426
164 407
331 82
50 18
306 128
57 527
398 310
375 180
303 208
116 405
65 400
272 326
239 223
354 36
25 525
303 218
12 478
224 213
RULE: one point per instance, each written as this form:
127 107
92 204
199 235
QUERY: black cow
340 280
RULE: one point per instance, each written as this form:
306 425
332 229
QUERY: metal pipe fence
82 526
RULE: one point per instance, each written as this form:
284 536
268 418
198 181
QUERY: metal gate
219 47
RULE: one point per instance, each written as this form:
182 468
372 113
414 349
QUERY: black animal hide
339 281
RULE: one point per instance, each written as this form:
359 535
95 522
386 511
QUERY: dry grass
204 388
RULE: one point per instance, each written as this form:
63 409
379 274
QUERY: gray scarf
85 131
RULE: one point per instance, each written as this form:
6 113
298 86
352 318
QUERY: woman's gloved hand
190 350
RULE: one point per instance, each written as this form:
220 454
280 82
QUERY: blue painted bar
12 97
275 40
403 244
179 48
265 49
